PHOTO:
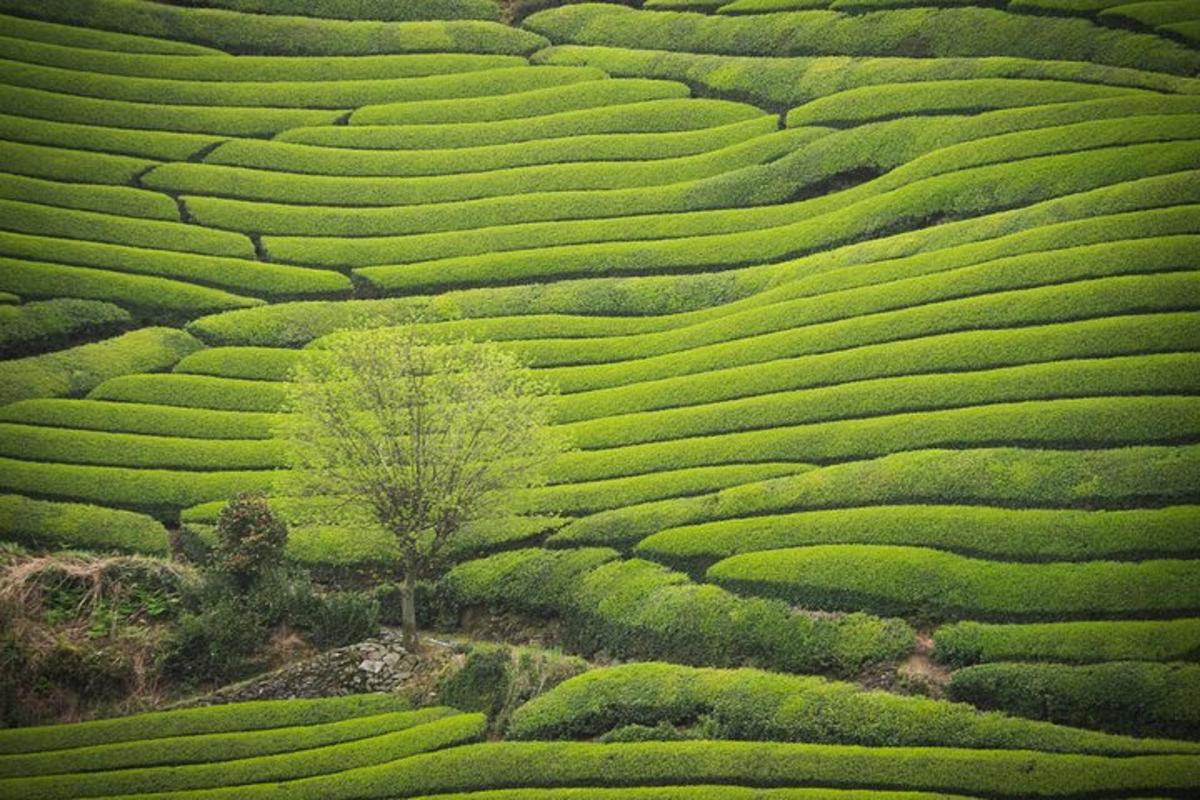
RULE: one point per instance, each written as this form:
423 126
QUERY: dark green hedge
248 716
1141 698
580 107
1083 424
1078 642
897 202
329 93
542 765
782 83
360 9
80 369
237 32
1166 374
887 579
311 159
250 68
46 325
1113 478
282 187
205 748
224 120
1026 534
266 769
633 609
917 33
39 523
93 39
756 705
931 98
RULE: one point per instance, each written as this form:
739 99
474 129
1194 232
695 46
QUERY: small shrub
482 683
217 642
343 618
251 539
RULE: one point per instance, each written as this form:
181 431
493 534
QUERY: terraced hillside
876 323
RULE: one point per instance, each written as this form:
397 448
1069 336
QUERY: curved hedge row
719 190
572 106
1114 336
91 38
159 145
929 98
192 391
237 32
589 497
38 523
324 94
279 187
155 420
215 747
364 546
1135 697
38 326
31 218
79 369
364 9
888 579
121 200
966 192
246 716
1042 305
694 792
251 363
102 448
75 166
269 769
881 146
756 705
317 160
208 67
241 275
156 297
632 609
158 492
1176 373
542 765
781 83
1072 423
224 120
1124 477
920 33
1025 534
1077 642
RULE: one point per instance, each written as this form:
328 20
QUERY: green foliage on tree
418 437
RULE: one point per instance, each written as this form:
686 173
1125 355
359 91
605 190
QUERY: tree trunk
408 611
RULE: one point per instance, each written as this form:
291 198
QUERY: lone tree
419 438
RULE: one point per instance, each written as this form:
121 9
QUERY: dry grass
77 636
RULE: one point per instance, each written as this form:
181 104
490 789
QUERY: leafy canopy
416 436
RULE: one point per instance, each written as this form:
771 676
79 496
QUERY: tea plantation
876 325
